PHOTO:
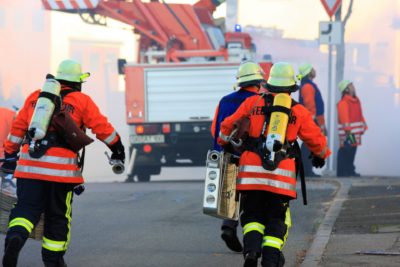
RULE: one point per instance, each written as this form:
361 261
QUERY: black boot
53 258
13 246
60 263
231 240
250 259
252 248
272 257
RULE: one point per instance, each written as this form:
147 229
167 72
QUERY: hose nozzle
117 166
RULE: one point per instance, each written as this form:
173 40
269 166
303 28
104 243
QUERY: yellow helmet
70 70
343 85
249 72
305 69
281 78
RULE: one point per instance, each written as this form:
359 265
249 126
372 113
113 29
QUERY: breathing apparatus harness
258 144
57 135
53 137
271 159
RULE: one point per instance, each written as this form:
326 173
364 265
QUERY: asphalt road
161 224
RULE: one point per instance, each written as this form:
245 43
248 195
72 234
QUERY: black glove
317 162
49 76
118 151
10 162
228 148
79 189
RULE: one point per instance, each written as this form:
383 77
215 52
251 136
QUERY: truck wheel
144 177
199 161
156 170
144 172
129 179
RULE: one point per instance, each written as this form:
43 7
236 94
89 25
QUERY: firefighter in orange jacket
310 96
45 182
265 194
249 81
351 126
6 119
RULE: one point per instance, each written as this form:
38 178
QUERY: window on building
360 55
2 18
19 17
77 55
38 21
112 61
111 66
94 62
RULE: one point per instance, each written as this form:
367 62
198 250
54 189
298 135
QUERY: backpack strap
81 156
66 92
296 152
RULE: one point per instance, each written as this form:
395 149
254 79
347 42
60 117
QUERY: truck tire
143 177
129 179
144 173
199 161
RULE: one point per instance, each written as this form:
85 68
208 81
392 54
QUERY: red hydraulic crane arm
168 25
151 20
183 25
133 13
136 14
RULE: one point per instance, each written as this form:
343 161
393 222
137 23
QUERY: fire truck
185 64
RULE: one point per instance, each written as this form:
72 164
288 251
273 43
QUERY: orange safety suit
311 98
59 164
6 119
351 119
282 180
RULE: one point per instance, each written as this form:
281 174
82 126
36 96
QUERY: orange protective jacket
6 119
351 119
252 176
311 98
58 164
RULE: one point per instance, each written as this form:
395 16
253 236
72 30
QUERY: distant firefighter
249 81
310 97
6 119
351 126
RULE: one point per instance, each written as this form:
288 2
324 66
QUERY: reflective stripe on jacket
281 180
252 176
58 164
351 119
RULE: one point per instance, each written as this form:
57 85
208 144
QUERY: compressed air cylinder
44 109
278 123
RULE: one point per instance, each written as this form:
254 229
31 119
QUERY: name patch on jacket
258 110
65 107
68 108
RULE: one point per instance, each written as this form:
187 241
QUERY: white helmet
70 70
